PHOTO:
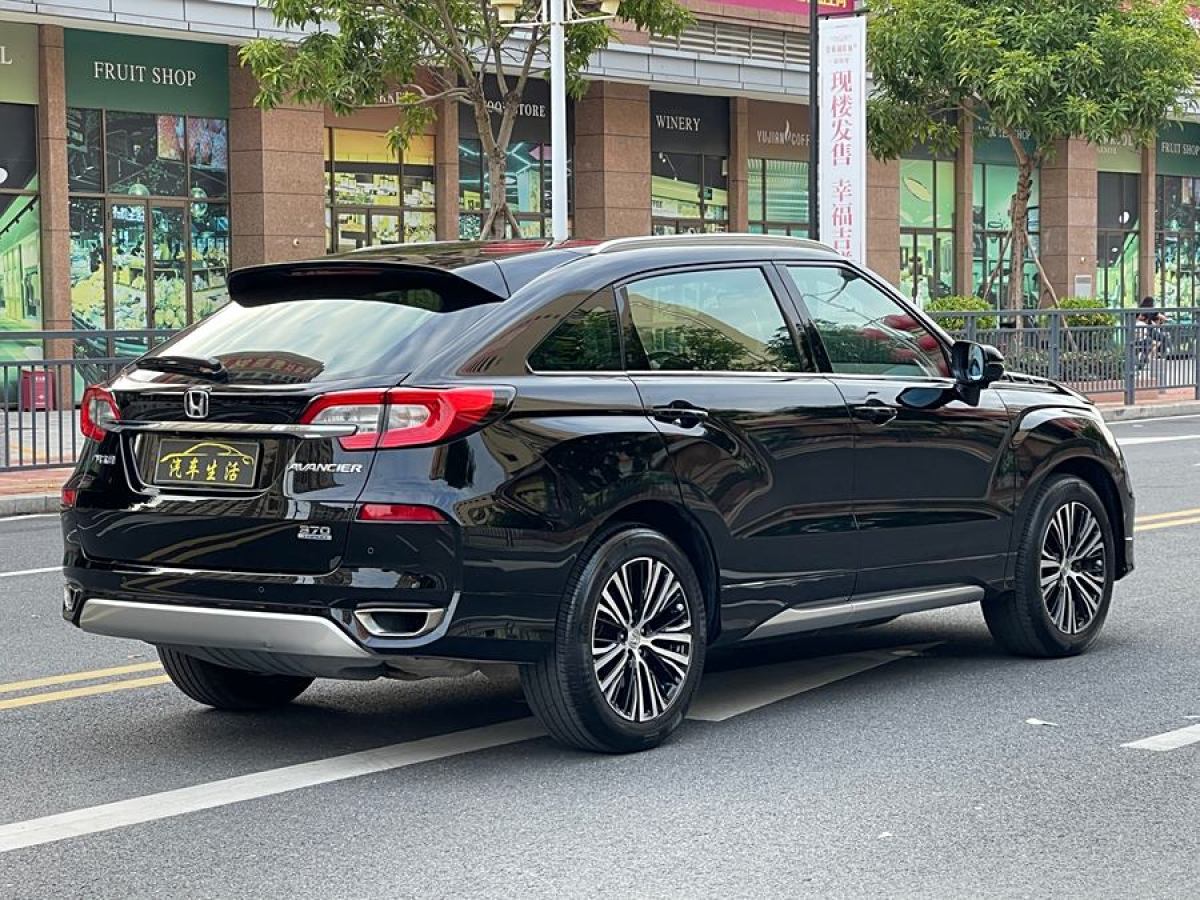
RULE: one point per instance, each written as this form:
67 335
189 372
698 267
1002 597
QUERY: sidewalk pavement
36 490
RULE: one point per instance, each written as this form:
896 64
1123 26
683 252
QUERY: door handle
679 413
875 413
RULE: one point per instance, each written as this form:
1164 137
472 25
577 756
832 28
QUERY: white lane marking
1170 740
724 695
28 516
152 807
31 572
1162 439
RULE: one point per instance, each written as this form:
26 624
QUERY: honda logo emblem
195 404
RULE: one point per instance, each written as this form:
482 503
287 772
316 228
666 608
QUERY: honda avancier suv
595 462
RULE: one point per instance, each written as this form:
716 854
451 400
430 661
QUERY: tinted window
308 335
587 340
723 320
864 330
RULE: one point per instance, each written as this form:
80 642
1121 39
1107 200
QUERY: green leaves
1102 70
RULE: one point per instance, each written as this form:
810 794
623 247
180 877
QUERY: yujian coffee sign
18 63
151 75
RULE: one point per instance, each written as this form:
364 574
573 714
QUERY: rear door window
710 320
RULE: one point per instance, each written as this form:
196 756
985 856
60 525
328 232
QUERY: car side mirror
975 365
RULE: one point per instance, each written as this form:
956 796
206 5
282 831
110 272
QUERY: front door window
863 330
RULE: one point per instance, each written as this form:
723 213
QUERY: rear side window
325 329
715 320
587 340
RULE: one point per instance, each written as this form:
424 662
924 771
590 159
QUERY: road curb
27 504
1150 411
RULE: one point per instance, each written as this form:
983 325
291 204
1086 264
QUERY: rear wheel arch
686 533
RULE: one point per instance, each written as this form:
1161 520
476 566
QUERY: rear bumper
351 623
304 639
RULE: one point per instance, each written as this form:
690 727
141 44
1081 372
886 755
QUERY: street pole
814 120
558 120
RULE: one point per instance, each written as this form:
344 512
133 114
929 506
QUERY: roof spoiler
366 279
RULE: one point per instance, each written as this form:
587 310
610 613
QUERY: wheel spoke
606 654
612 610
620 583
1072 564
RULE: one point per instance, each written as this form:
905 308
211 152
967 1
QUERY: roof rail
722 238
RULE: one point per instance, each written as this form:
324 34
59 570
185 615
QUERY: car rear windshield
321 329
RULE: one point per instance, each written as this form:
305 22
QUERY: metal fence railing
42 378
1097 352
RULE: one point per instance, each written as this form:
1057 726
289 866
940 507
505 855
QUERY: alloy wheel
642 639
1072 569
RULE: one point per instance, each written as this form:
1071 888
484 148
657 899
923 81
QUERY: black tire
230 689
564 688
1023 622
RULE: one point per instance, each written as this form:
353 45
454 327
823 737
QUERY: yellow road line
88 691
1179 513
1169 524
51 680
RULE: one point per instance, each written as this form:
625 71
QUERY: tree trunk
1019 214
497 164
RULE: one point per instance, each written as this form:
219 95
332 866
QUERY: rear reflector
406 417
68 496
398 512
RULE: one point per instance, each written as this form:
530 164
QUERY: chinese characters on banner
843 145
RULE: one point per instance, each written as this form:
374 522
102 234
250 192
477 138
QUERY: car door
759 439
931 501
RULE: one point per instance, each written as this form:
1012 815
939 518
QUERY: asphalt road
911 772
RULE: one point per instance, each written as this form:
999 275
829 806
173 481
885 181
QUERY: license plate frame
206 463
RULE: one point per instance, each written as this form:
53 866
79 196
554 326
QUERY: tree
421 52
1036 73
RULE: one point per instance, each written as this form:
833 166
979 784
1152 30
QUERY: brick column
739 140
52 194
1068 216
883 218
446 189
964 209
612 161
1147 217
277 176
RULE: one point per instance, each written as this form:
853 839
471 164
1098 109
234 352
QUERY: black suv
595 462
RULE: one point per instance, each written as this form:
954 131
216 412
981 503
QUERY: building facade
135 170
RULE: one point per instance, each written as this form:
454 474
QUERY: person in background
1152 336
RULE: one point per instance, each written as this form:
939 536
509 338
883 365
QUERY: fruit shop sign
140 74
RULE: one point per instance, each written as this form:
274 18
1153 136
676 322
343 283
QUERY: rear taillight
68 496
406 417
97 412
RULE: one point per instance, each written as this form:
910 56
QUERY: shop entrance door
149 244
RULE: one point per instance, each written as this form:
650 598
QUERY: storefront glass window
994 185
778 196
527 187
1177 251
20 236
1117 238
926 228
376 195
149 228
689 193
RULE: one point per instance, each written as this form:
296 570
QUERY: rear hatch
226 452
